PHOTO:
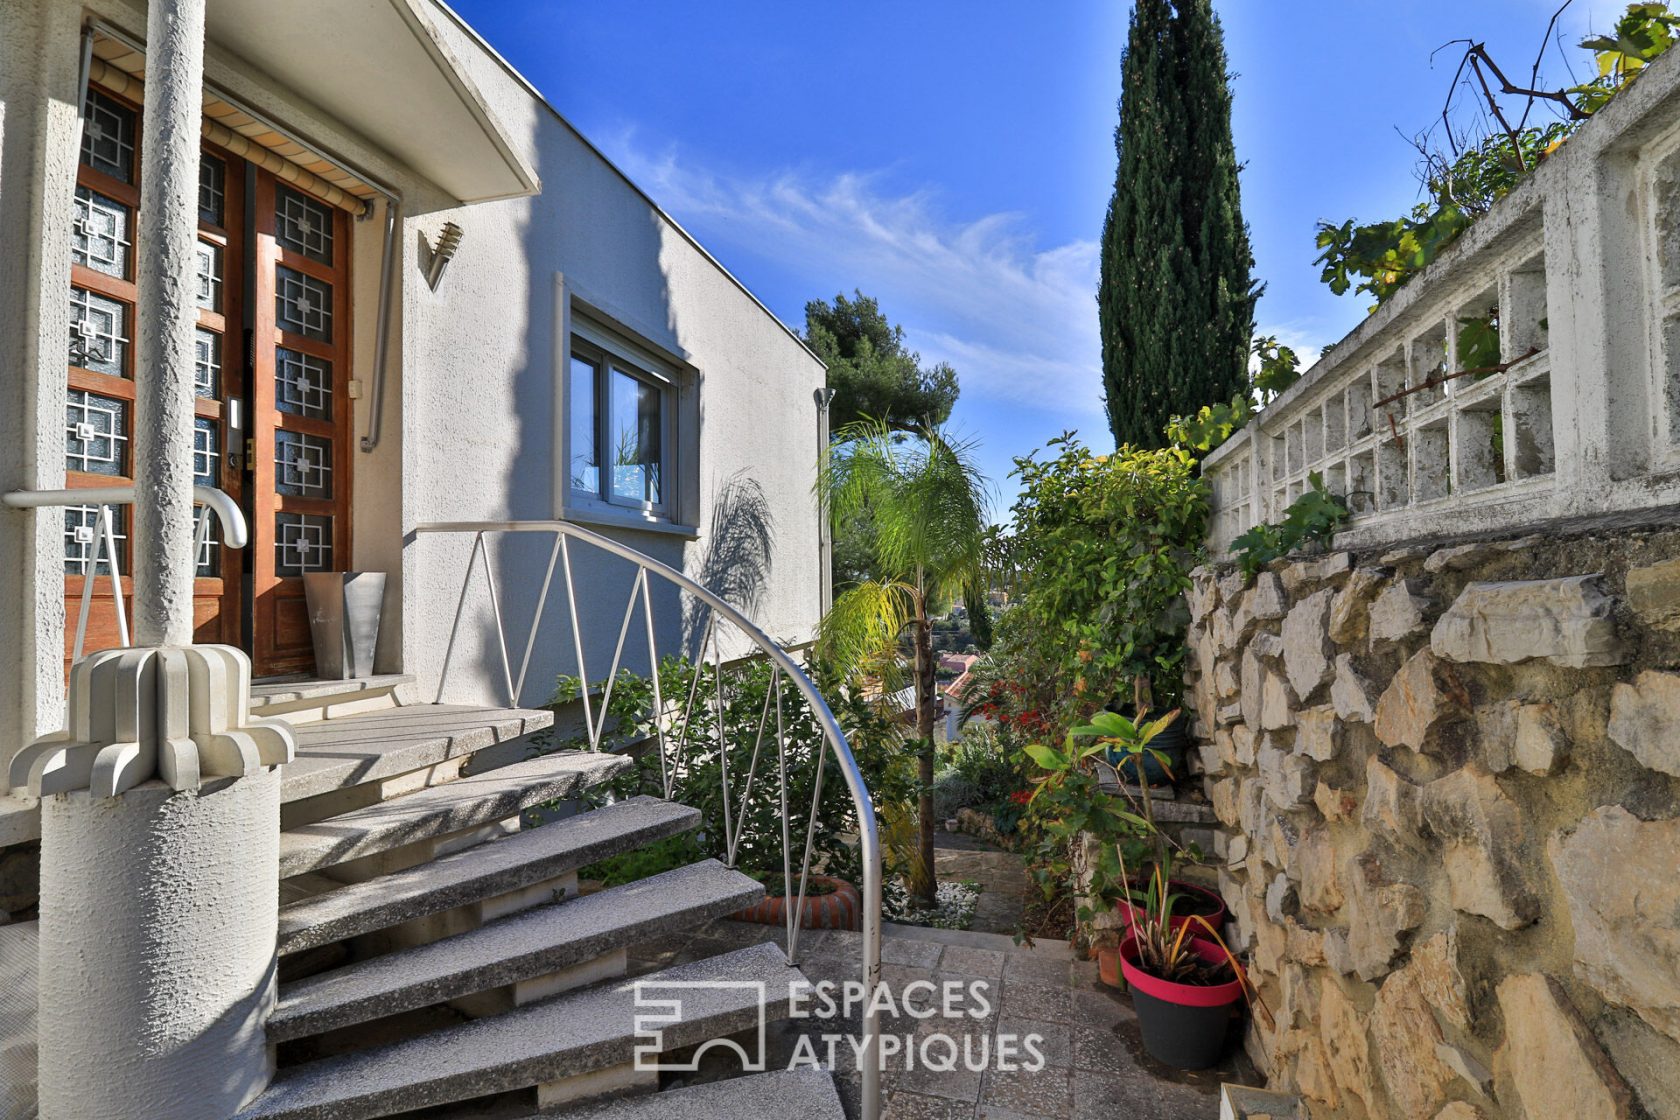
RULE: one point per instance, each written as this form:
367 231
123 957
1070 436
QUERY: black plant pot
1183 1025
1173 741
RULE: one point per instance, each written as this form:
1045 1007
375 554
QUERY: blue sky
954 158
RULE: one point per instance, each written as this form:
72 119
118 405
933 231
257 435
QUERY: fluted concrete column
164 564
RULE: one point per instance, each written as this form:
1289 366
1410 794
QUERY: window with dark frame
621 412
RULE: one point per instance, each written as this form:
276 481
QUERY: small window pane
212 179
586 460
99 233
207 458
303 225
302 543
108 137
207 364
303 304
634 429
95 435
82 535
209 276
302 465
302 384
98 333
210 551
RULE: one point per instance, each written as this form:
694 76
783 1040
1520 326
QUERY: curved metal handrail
869 841
236 534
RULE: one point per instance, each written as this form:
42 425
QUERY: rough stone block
1391 803
1653 593
1317 733
1424 696
1565 621
1346 1038
1350 612
1485 847
1555 1064
1379 912
1318 869
1397 613
1288 777
1405 1035
1306 648
1645 720
1528 736
1619 875
1350 693
1303 575
1267 600
1277 704
1336 804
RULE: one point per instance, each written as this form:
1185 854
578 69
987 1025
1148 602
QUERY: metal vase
344 610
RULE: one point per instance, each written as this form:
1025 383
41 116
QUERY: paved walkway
1001 875
1094 1065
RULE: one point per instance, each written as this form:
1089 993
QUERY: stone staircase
436 959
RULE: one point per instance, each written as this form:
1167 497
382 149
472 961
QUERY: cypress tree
1176 302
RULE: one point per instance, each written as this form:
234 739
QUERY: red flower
1021 796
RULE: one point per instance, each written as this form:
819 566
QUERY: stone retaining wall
1449 783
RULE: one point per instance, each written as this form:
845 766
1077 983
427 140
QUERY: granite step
525 945
335 754
480 872
797 1094
574 1033
439 810
274 696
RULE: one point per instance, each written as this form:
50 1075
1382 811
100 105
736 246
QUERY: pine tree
1176 303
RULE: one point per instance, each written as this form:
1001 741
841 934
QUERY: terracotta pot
840 908
1183 1025
1108 966
1200 900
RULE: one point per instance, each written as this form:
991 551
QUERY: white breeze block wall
1582 263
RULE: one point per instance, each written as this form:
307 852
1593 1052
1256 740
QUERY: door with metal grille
300 414
100 402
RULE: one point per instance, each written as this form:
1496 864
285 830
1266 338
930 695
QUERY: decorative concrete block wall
1449 787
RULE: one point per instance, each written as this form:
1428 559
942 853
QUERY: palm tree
927 499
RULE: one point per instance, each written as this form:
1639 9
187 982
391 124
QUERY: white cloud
1017 321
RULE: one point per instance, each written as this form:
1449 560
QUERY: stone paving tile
1048 1002
1035 969
957 1084
916 954
1104 1008
915 1106
1046 1092
963 961
1135 1093
1054 1042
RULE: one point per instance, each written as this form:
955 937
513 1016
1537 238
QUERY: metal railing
217 502
715 610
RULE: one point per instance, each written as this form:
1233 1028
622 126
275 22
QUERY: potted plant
1131 745
1186 983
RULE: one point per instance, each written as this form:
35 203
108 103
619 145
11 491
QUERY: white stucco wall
470 405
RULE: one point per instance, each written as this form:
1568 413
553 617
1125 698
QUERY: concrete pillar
158 913
164 565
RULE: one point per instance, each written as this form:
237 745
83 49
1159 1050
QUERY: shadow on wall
737 557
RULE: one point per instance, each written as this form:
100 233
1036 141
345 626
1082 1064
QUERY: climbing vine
1465 171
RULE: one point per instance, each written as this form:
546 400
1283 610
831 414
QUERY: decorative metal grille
210 545
302 465
207 364
302 384
98 333
95 430
80 534
207 439
212 183
302 543
303 224
108 137
99 233
303 304
209 276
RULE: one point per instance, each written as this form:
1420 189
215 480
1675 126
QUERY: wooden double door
271 410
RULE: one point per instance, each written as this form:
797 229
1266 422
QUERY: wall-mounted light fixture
437 258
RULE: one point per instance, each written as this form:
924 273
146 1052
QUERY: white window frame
611 351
